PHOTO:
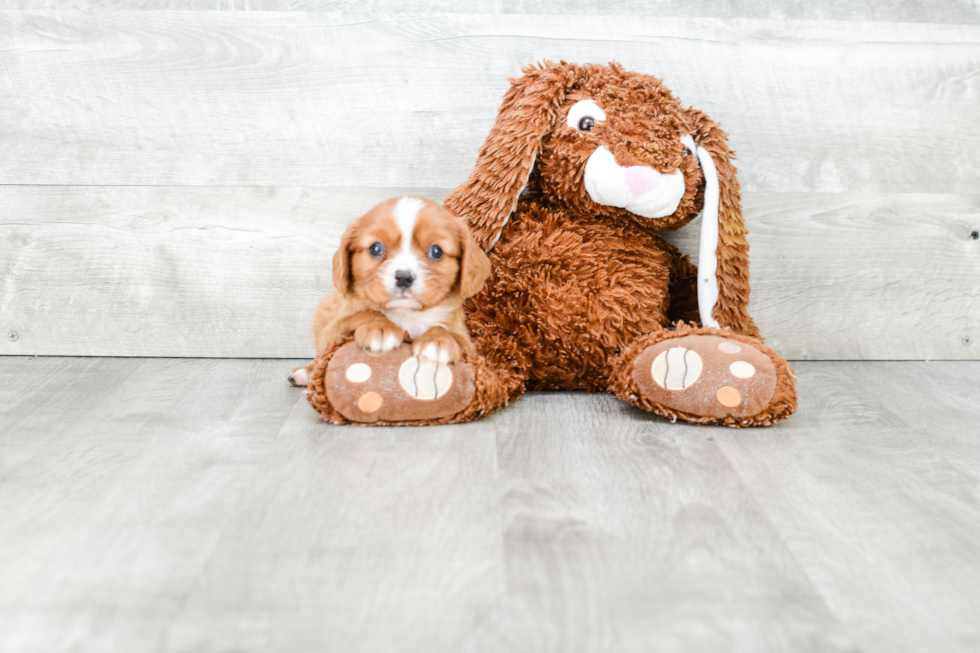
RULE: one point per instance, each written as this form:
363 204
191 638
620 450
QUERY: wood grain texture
363 539
863 497
201 505
173 182
850 276
340 99
128 471
623 532
231 272
169 271
914 11
935 402
30 419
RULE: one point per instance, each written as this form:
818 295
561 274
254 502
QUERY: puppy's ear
474 266
529 110
723 263
341 262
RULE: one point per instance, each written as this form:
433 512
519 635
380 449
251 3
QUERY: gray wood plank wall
173 182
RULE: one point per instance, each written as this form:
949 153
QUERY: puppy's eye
435 252
687 151
376 250
586 124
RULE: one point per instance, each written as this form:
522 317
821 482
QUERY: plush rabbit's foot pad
706 376
395 386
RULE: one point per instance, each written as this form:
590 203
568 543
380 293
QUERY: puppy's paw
440 349
378 339
300 377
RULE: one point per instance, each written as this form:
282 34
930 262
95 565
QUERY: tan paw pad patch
676 369
706 376
729 347
395 386
424 379
728 396
741 369
358 373
370 402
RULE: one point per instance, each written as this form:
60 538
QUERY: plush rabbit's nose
641 179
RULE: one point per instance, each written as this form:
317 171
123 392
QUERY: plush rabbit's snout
642 179
641 190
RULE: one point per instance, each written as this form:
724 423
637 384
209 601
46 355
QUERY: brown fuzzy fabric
683 291
494 390
576 284
529 146
558 314
782 404
578 289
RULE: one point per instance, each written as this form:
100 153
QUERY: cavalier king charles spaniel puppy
402 272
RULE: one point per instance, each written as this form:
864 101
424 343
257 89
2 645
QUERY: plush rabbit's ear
529 110
723 261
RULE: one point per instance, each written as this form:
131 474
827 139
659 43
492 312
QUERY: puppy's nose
404 278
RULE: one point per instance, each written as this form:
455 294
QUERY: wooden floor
200 505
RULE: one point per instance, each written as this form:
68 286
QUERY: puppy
402 272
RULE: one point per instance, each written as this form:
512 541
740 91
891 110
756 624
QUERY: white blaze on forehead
405 213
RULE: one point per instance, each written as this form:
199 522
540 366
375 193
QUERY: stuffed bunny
584 169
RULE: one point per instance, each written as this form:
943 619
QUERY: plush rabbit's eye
435 252
687 151
584 115
376 250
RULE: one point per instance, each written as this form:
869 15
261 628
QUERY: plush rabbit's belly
569 295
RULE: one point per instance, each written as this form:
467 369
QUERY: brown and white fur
402 272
